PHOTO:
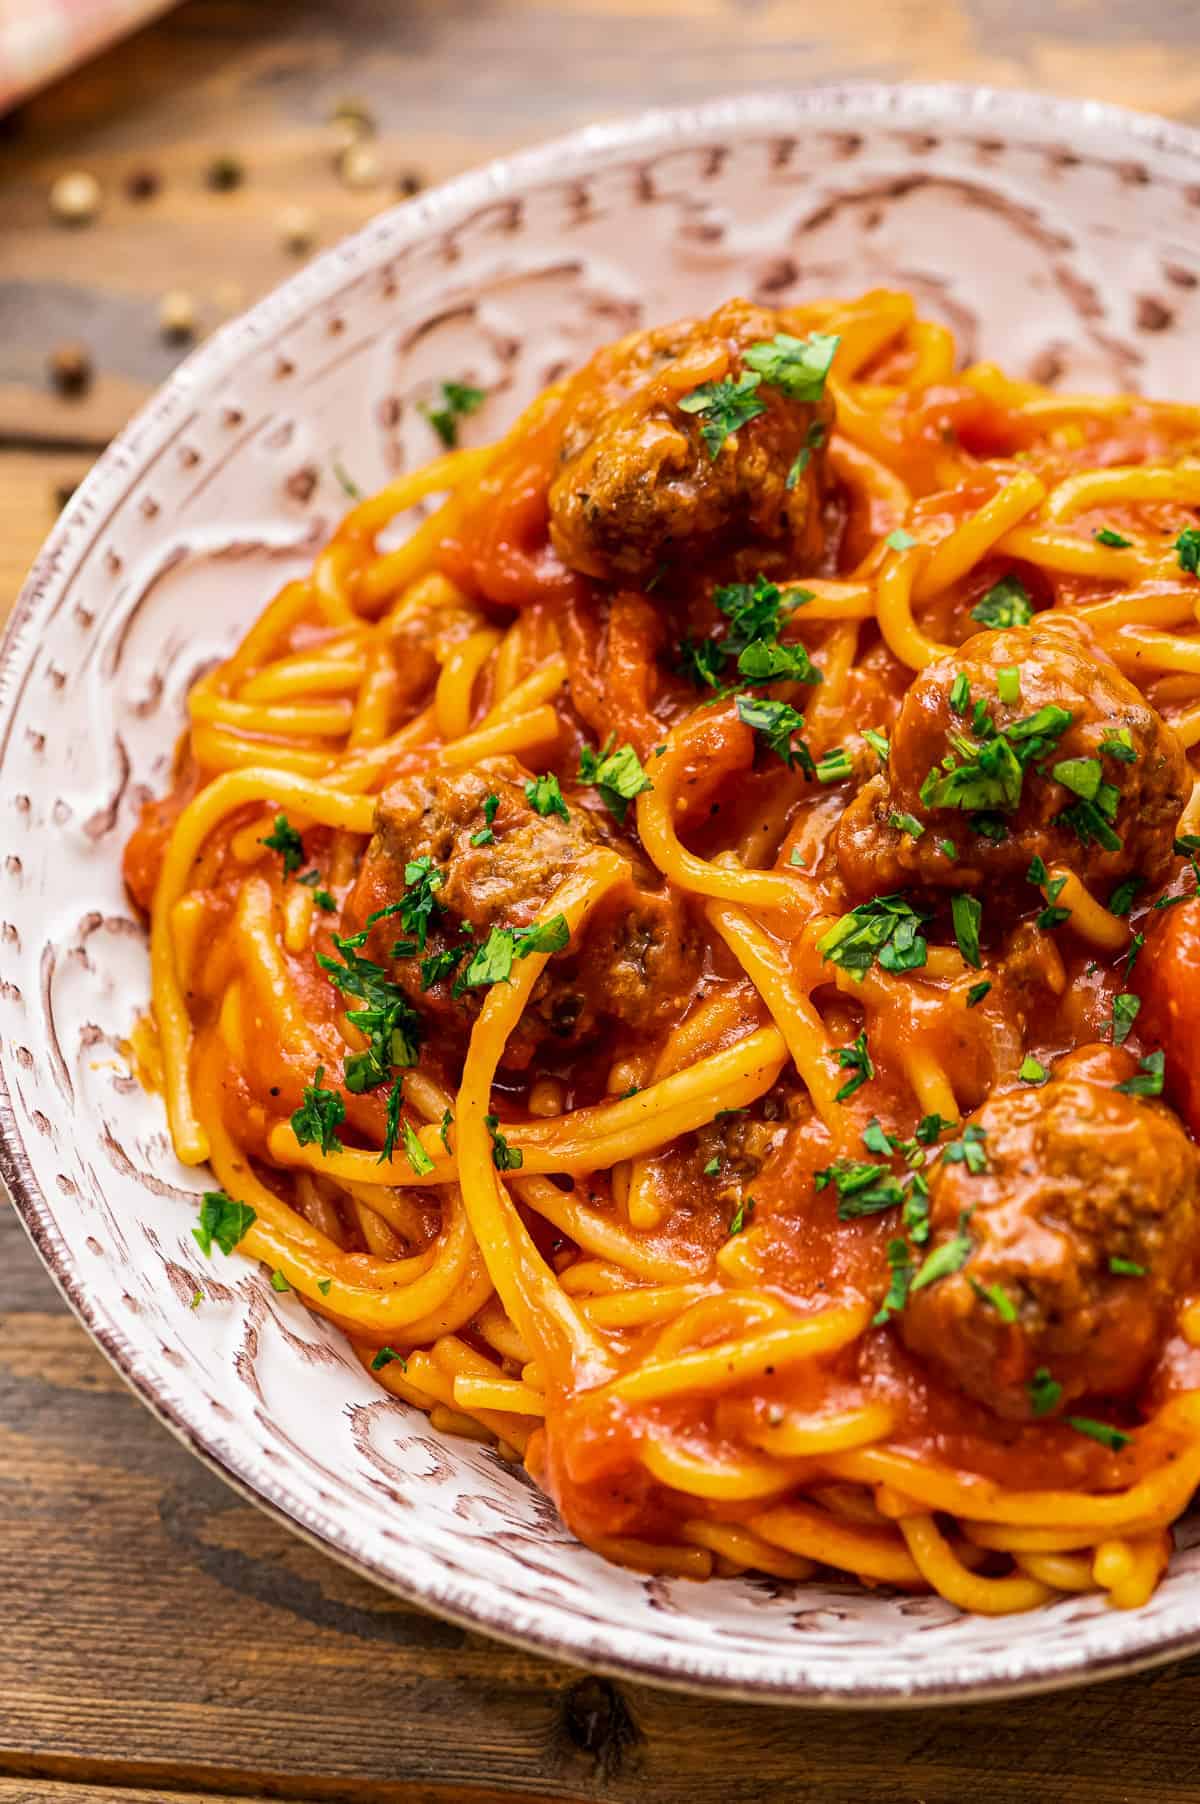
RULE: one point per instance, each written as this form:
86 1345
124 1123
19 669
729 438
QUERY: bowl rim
552 161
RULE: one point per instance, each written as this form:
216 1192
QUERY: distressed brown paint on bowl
1060 239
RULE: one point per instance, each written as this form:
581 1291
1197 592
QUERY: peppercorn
225 172
142 184
71 369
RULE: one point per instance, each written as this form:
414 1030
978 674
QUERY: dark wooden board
160 1638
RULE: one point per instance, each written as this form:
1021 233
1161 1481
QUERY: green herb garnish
723 407
458 399
617 775
285 840
1148 1079
1005 604
222 1219
321 1113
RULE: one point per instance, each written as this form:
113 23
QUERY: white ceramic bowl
1062 240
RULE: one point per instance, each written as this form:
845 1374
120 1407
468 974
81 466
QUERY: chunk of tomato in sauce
1167 978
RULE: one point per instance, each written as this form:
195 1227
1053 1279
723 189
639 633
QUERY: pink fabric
40 39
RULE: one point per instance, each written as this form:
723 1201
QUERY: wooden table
159 1638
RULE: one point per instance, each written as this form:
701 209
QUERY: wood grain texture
161 1639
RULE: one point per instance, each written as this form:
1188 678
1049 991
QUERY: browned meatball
638 960
1077 1175
987 774
640 488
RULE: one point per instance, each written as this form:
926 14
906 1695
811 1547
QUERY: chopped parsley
441 965
485 836
444 1129
392 1124
1105 535
702 662
1124 1013
1125 1268
834 767
324 1285
389 1020
1121 900
862 1188
419 907
930 1128
753 611
1045 1392
1005 604
1135 946
279 1282
1112 1438
723 407
906 823
976 993
986 773
900 540
712 1167
458 399
222 1219
545 797
385 1356
797 367
777 722
345 481
320 1115
947 848
856 1058
901 1267
324 901
887 929
415 1153
969 1150
1148 1079
768 661
1053 915
997 1297
1118 744
950 1257
504 1156
742 1216
966 913
285 840
875 1139
878 743
1187 549
1032 1070
493 960
617 775
814 438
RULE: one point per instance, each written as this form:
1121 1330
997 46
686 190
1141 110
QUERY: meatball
499 864
641 488
1078 1176
1071 764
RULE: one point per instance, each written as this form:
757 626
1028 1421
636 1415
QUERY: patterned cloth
40 39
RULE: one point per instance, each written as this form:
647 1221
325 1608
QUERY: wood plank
162 1633
451 84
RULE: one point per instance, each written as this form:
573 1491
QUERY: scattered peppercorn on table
162 1638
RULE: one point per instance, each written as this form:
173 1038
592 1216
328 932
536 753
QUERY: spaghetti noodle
681 958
